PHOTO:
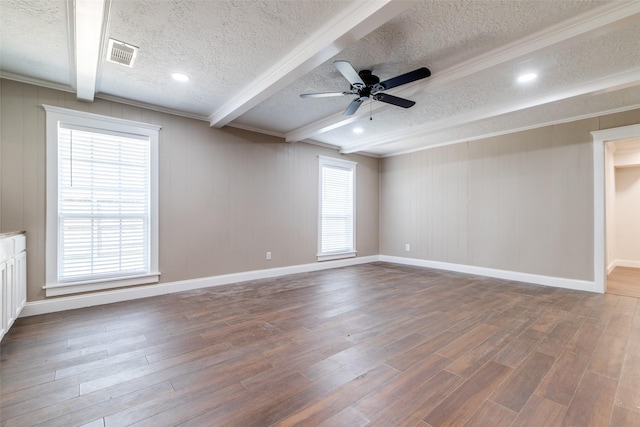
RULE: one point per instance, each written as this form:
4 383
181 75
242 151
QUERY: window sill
329 257
58 289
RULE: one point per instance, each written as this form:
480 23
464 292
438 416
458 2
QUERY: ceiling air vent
121 53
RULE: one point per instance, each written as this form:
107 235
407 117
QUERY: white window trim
55 115
340 163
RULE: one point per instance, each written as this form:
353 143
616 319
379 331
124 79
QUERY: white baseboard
627 263
80 301
87 300
612 267
559 282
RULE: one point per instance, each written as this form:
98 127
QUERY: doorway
600 138
622 176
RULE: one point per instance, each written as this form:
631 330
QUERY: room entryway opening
622 212
615 206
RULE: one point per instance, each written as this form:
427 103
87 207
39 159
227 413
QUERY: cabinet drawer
20 244
6 249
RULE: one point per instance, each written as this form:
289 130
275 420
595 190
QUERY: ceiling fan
366 85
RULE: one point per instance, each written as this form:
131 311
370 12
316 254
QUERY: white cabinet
13 278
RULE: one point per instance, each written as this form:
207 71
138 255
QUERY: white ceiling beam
88 29
618 81
596 22
358 19
507 131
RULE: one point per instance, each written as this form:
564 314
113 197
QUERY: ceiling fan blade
349 73
323 94
394 100
353 107
409 77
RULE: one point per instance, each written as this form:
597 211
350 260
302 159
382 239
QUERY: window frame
55 116
333 162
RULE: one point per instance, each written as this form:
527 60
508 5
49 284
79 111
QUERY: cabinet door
4 321
10 285
20 281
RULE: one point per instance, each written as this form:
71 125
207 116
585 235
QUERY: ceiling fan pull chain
366 86
371 108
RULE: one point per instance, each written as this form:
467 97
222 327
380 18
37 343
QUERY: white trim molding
622 79
600 137
54 117
594 23
627 263
99 298
331 257
536 279
539 125
91 18
58 289
331 163
356 21
53 305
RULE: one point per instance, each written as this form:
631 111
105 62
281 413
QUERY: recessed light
525 78
180 77
358 130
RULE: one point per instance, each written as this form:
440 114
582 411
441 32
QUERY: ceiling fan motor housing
366 85
368 78
372 84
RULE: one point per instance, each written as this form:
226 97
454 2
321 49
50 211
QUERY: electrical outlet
407 247
268 256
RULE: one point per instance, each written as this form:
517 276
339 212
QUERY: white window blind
103 204
337 210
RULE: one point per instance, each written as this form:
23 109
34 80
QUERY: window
102 225
337 209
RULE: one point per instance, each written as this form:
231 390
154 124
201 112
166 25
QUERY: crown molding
36 82
256 130
514 130
66 88
620 80
354 22
334 121
596 22
321 144
151 107
306 141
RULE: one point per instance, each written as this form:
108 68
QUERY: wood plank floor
371 345
624 281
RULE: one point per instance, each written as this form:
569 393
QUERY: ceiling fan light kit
365 85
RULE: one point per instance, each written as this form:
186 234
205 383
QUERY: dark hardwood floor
377 345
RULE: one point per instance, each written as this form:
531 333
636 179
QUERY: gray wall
520 202
226 196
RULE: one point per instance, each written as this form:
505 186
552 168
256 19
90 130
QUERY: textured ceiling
220 45
248 61
34 42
